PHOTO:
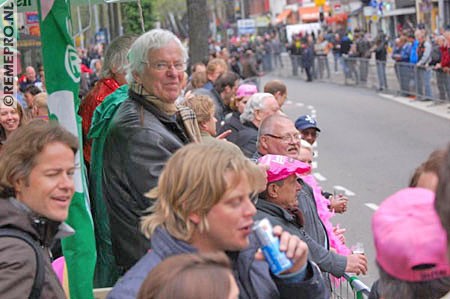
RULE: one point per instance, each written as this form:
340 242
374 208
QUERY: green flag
62 72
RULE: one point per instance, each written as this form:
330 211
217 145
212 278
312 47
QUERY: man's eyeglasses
163 66
286 138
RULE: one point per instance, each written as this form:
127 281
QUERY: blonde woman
204 204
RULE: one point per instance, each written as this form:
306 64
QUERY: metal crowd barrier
352 287
397 78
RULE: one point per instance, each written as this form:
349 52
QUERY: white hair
255 102
116 55
152 40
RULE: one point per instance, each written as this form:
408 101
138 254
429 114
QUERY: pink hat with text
246 90
410 241
281 167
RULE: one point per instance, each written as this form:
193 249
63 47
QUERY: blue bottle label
277 260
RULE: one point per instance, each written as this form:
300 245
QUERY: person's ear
19 185
257 114
203 126
195 218
137 78
263 142
272 190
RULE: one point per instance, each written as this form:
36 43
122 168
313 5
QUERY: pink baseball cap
410 241
281 167
246 90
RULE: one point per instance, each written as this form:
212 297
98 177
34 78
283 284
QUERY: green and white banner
32 5
62 73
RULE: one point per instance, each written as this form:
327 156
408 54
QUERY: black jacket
232 122
246 139
139 143
381 52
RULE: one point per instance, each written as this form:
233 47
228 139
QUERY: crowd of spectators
418 56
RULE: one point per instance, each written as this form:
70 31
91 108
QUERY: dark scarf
298 216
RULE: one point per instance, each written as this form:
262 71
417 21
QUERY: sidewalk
440 110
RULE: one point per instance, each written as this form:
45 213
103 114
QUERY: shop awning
283 15
338 18
311 13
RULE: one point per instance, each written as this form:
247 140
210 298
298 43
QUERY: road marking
319 177
345 190
372 206
289 102
299 104
310 107
313 111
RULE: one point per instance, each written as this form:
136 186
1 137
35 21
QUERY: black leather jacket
246 139
139 143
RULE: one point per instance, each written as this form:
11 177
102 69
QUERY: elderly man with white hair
146 130
259 106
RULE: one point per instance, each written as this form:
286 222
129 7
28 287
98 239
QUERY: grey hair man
278 136
146 130
258 107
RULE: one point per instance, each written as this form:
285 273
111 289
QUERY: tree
198 30
131 20
164 7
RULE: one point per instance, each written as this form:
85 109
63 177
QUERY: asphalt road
369 145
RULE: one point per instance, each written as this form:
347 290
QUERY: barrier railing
351 288
398 78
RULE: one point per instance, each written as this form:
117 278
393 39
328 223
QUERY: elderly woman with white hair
259 106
